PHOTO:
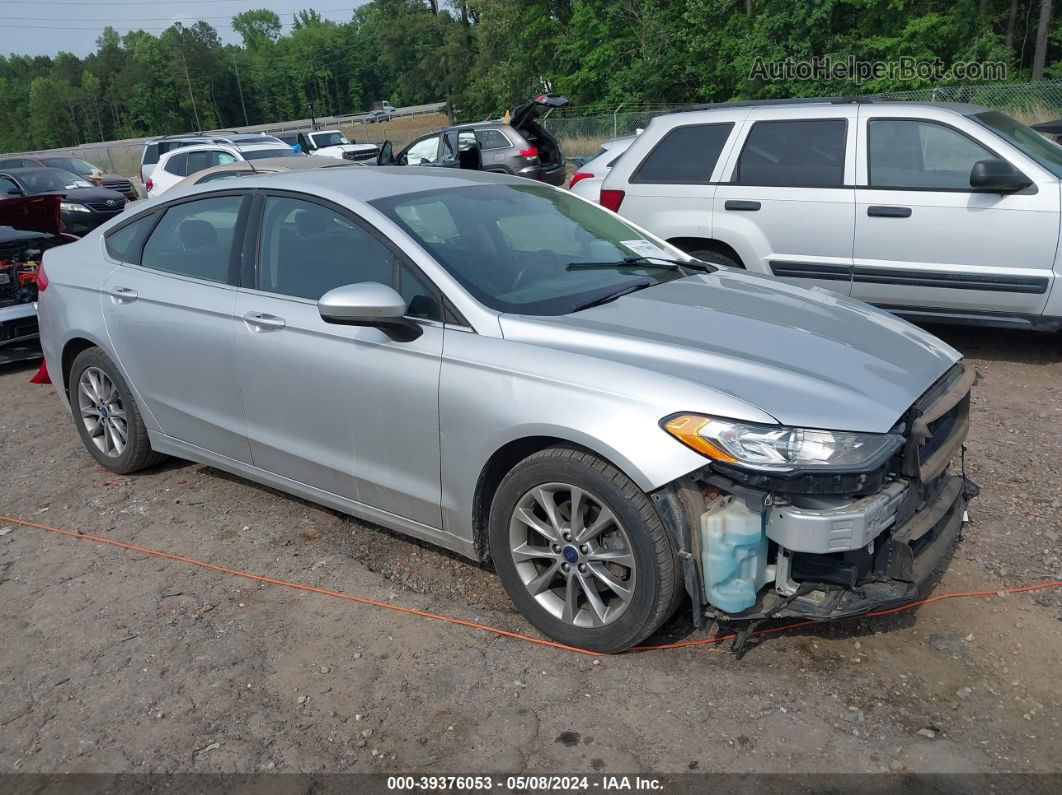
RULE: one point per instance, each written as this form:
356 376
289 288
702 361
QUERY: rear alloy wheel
581 551
106 415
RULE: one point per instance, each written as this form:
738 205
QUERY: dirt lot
113 661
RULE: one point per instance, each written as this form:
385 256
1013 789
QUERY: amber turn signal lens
686 428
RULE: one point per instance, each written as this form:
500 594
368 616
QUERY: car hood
82 195
350 147
809 358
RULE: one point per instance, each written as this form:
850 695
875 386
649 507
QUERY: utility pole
313 118
239 86
191 96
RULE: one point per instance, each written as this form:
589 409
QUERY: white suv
937 212
177 164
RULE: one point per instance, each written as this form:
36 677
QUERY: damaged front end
826 544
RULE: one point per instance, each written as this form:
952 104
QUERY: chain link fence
581 131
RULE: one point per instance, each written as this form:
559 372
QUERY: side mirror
369 304
997 176
387 155
14 191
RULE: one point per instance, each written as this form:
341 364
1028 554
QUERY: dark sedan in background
83 206
76 165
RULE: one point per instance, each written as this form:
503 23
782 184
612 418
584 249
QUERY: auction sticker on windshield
645 248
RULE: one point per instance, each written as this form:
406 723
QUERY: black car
83 206
75 165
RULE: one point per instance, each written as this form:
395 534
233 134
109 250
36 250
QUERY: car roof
234 147
962 108
483 125
375 182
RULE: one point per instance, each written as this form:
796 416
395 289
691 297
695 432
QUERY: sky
46 27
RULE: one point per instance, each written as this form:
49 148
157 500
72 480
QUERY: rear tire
106 415
604 579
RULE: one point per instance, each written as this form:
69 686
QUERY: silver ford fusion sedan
506 370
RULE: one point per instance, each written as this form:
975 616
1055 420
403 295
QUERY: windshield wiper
642 262
604 299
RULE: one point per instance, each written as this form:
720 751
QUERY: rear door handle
741 204
263 322
123 295
889 212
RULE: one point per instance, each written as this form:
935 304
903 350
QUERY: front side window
686 155
1047 153
124 244
923 155
794 154
308 249
516 248
9 187
426 151
176 164
195 239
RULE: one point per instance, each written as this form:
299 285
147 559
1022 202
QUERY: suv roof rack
745 103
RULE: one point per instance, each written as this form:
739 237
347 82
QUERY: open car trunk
523 119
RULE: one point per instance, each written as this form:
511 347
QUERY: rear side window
794 154
920 155
492 139
686 155
124 244
195 239
176 164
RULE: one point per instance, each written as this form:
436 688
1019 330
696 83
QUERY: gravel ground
115 661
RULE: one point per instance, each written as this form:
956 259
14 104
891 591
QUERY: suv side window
686 155
905 153
124 244
308 249
176 164
491 139
806 153
426 150
197 161
8 187
195 238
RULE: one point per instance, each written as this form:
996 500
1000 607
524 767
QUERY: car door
788 195
344 409
169 317
453 143
926 240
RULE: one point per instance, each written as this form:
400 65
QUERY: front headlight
778 448
72 207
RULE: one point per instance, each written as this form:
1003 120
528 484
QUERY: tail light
149 184
42 279
529 153
579 176
611 199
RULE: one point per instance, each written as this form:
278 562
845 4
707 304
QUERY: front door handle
263 322
889 212
123 295
740 204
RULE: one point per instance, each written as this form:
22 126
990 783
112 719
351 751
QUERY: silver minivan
936 212
506 370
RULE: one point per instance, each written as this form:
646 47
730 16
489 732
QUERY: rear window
686 155
794 154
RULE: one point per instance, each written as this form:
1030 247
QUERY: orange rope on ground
483 627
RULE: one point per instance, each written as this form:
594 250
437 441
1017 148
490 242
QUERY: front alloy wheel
581 551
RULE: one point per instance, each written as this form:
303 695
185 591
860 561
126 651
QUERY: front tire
106 415
581 551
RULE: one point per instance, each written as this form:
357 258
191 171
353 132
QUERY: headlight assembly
73 207
778 448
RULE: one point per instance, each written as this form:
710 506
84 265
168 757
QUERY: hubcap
102 412
572 555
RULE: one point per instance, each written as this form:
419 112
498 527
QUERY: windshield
511 246
258 154
330 139
73 164
1044 152
53 179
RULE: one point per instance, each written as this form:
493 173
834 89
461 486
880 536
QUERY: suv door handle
123 295
889 212
739 204
263 322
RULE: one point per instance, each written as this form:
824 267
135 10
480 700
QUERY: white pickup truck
329 143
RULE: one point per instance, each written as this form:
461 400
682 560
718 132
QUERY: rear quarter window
492 139
685 155
124 243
